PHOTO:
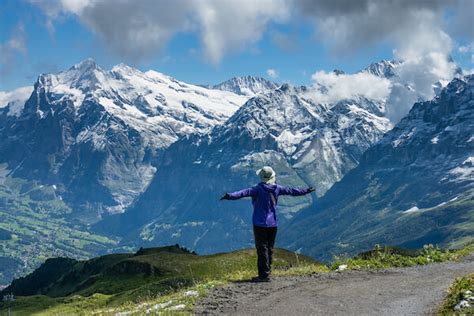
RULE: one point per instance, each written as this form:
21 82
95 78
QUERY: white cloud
348 25
414 28
229 26
272 73
15 99
332 87
416 79
138 29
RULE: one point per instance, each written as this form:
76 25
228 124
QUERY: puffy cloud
137 29
425 52
272 73
347 24
142 28
417 79
415 28
228 26
332 87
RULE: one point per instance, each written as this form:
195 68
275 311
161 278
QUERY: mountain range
307 144
123 158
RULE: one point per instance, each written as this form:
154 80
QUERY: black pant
264 241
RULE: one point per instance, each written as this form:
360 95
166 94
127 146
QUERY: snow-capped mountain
157 105
247 86
416 186
308 143
95 133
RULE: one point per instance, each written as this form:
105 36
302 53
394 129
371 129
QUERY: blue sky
48 36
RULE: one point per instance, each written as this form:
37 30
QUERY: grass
388 257
171 279
456 293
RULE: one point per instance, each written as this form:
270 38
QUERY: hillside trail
415 290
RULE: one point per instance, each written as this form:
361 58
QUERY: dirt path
405 291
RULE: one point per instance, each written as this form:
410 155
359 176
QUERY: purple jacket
264 205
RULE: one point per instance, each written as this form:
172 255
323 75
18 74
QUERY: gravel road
400 291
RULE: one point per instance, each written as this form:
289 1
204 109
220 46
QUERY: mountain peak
123 68
247 85
85 65
383 68
285 87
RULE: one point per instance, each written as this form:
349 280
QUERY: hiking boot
259 279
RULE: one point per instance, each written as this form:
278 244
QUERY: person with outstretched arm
265 199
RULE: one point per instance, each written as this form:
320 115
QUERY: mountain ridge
414 186
246 85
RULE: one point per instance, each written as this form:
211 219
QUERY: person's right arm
295 191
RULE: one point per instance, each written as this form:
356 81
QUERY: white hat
267 175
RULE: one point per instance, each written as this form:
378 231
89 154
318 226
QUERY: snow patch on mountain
465 171
288 141
413 209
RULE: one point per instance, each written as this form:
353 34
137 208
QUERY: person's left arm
295 191
238 194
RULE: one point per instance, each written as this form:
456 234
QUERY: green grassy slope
114 280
